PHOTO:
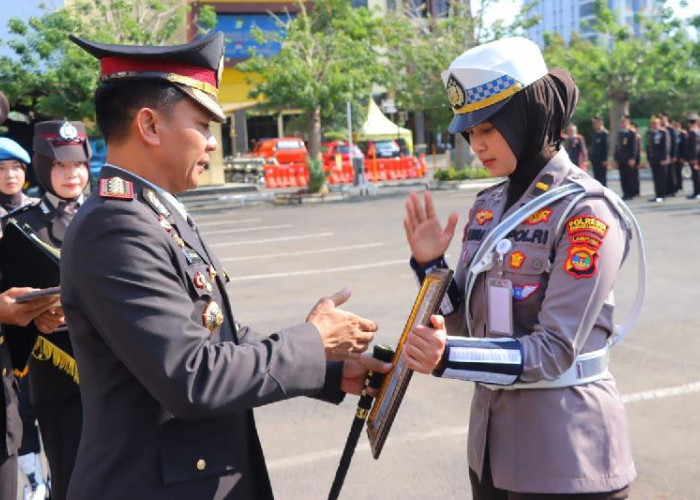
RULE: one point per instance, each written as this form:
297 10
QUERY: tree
331 53
54 78
621 72
430 45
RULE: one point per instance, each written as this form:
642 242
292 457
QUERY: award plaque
396 381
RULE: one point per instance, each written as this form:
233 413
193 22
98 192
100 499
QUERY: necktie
64 214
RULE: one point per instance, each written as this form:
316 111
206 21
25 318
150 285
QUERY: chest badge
212 317
164 223
212 272
483 216
524 291
517 259
201 282
539 216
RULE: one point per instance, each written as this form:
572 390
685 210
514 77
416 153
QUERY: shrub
452 174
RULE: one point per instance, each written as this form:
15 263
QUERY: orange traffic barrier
270 176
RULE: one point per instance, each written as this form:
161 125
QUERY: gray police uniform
168 380
563 267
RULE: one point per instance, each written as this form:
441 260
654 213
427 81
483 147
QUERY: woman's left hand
425 346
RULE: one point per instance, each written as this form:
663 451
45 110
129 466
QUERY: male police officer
599 150
690 153
625 152
168 379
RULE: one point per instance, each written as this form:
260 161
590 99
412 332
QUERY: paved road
283 258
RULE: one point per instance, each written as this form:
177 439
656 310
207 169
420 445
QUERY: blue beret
9 150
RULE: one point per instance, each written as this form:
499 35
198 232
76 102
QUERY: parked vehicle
283 151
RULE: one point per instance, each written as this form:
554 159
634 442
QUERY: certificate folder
25 261
395 382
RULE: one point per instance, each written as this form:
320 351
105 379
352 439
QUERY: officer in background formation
20 314
658 156
598 152
575 146
691 151
168 379
626 150
13 171
677 166
672 132
60 162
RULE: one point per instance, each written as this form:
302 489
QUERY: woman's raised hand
426 236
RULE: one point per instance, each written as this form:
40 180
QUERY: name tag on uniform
500 306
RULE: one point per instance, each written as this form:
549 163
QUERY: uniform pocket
205 457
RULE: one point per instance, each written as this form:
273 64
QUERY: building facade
568 17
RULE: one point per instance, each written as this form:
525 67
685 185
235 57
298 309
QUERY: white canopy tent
377 127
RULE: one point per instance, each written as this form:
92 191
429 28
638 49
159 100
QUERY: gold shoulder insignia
116 187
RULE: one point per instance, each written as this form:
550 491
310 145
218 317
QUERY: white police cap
483 79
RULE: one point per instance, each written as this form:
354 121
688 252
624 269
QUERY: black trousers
627 180
659 172
695 176
600 172
30 431
60 424
485 490
8 478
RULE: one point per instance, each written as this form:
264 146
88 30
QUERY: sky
506 9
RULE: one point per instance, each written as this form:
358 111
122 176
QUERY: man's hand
345 335
630 163
49 320
424 346
21 314
355 373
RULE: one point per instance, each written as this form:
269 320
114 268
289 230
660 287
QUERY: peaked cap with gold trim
194 68
483 79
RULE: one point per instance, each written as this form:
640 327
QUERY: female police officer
534 290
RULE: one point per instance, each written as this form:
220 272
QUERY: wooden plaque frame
395 382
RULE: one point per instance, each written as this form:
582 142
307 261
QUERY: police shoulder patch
116 187
581 261
586 223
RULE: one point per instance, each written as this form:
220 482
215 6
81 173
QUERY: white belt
587 368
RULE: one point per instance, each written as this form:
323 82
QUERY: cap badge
116 187
212 317
68 132
455 93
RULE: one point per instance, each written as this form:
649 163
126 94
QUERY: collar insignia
155 202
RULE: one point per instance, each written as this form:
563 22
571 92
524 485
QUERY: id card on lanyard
500 306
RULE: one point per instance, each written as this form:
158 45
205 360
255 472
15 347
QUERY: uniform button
201 464
537 265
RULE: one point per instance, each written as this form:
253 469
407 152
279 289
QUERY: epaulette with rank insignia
116 187
542 185
491 188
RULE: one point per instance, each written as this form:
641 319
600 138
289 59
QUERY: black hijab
532 122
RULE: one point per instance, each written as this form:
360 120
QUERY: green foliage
657 70
317 177
54 78
453 174
428 46
331 54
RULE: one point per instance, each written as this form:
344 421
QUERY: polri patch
524 291
517 259
581 262
483 216
116 187
586 223
539 216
